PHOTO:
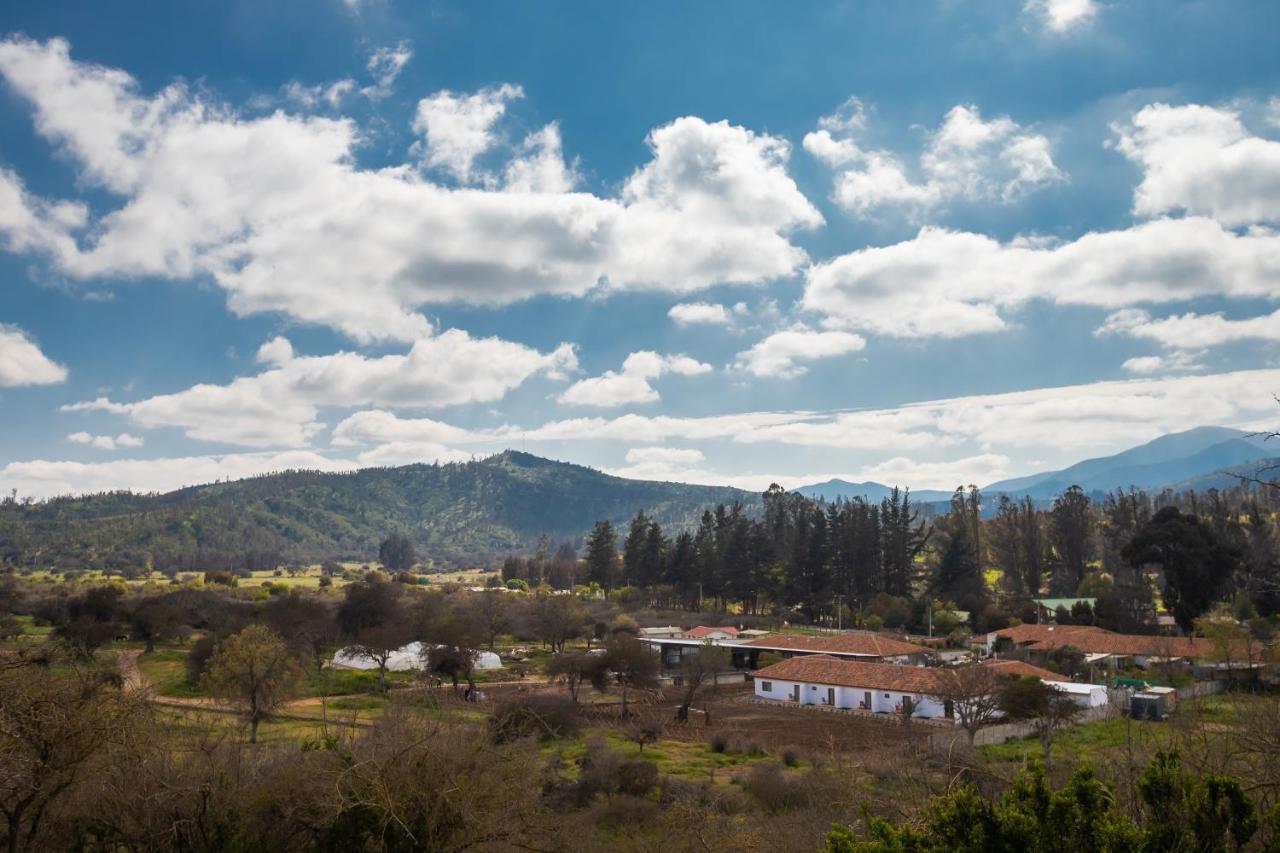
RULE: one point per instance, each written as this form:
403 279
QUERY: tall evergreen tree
602 555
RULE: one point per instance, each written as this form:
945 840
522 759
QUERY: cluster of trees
454 515
1181 811
90 764
821 560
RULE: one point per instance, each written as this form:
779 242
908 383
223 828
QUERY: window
766 686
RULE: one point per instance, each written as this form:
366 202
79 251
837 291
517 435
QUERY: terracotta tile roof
1106 643
702 631
1031 633
824 669
1021 668
861 643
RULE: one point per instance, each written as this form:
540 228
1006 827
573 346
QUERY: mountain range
1200 458
456 514
475 512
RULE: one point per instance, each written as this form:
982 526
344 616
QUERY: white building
402 659
1085 695
882 688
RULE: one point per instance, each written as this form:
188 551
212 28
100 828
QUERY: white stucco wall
882 701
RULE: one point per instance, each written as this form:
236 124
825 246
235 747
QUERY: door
907 707
831 696
866 700
795 693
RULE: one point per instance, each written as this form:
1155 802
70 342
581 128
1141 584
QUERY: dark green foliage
1184 813
1197 561
453 515
397 553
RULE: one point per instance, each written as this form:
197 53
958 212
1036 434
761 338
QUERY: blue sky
929 243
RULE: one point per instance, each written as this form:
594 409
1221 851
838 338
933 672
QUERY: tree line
899 562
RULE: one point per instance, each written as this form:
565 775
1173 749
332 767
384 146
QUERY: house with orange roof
702 632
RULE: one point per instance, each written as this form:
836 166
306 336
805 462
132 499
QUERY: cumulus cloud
1061 16
784 353
539 166
949 284
22 363
632 384
275 352
385 65
458 128
278 213
1174 362
1202 161
280 405
44 479
1092 416
106 442
1191 330
966 158
700 313
902 471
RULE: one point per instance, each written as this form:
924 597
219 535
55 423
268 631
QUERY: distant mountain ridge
1164 461
1199 455
455 514
871 491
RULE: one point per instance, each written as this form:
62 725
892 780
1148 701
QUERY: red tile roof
1031 633
1020 668
824 669
703 631
860 643
1141 645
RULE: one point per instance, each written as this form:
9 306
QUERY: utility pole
839 613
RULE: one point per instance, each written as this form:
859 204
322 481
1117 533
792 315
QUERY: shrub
790 755
543 717
637 777
619 812
773 790
719 742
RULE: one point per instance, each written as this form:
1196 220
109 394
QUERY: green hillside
456 514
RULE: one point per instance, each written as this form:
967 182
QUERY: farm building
1085 695
882 688
849 645
702 632
402 659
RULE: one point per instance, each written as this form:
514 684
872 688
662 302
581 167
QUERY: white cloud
674 455
331 94
279 406
106 442
275 352
1191 331
1174 362
539 166
901 471
1100 415
700 313
966 158
950 284
42 478
458 128
385 65
1202 161
632 383
22 363
783 353
1061 16
276 210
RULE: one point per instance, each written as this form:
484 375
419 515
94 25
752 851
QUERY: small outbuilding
403 659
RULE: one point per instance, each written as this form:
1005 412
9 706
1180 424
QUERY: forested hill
455 514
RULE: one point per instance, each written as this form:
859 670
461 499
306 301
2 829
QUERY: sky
928 243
